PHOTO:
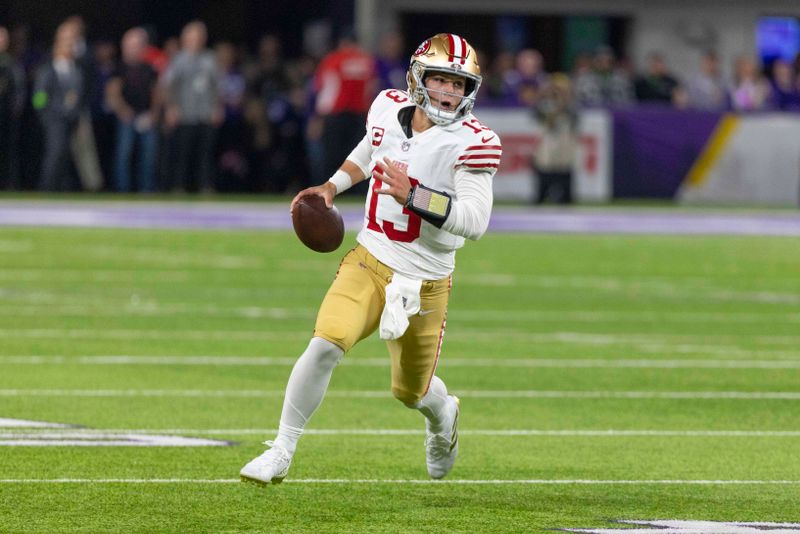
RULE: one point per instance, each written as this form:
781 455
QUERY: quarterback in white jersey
439 158
430 163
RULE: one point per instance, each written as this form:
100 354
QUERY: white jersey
395 235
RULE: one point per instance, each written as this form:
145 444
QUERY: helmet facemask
419 93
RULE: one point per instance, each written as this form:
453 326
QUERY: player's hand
395 178
327 191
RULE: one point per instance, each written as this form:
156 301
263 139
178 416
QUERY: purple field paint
276 217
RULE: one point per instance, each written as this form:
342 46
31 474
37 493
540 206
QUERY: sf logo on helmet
423 48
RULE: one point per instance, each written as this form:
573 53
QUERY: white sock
305 390
435 406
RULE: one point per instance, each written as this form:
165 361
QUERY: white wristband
341 180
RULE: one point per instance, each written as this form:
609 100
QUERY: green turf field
602 378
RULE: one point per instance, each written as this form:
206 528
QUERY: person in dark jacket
131 94
10 88
57 97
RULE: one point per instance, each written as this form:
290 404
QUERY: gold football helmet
450 54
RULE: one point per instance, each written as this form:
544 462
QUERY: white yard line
611 433
463 335
27 424
557 363
152 309
447 482
197 335
365 394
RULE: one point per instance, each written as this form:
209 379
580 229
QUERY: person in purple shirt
391 62
522 85
785 93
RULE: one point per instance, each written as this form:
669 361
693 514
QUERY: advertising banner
520 134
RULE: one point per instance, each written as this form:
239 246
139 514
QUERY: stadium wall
662 153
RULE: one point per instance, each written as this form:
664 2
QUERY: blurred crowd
135 116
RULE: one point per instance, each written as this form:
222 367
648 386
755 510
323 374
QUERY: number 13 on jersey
413 226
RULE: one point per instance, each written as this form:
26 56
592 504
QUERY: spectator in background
521 85
392 63
501 67
131 94
268 77
581 65
232 82
345 84
57 97
172 46
301 75
166 164
604 85
751 90
554 156
268 81
785 94
194 109
707 89
104 122
83 142
231 158
28 58
153 55
656 85
12 91
287 157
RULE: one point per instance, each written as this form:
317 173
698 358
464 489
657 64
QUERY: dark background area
235 20
558 38
244 21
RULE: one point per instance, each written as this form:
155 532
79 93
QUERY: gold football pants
352 311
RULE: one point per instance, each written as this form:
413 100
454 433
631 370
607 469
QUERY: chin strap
431 205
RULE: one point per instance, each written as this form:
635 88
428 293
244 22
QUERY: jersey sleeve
361 155
470 211
482 153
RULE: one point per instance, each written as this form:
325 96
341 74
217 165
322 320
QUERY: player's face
445 90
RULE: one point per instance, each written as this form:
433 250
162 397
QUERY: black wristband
431 205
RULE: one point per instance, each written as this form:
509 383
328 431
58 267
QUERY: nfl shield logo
405 146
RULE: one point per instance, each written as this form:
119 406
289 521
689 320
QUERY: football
319 228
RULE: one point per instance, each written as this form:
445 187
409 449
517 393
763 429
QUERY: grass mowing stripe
558 363
418 432
402 481
149 308
471 334
366 394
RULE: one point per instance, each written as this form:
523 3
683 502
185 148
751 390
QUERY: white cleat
270 467
441 449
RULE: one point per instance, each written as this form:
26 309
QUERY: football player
430 163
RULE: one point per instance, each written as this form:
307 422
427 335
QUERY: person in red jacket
345 83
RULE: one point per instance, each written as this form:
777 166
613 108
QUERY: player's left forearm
469 214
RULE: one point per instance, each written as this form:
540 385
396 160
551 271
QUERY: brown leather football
319 228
